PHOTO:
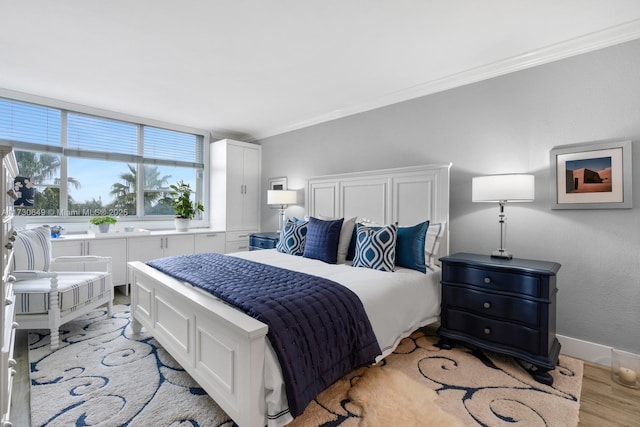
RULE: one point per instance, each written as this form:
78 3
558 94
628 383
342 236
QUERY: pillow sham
432 243
292 238
348 226
410 248
322 240
376 247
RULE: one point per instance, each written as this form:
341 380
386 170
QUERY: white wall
509 124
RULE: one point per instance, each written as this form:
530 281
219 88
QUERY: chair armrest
81 258
32 274
58 263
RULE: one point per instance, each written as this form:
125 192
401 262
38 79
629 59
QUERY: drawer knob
12 238
9 245
487 331
487 280
12 363
487 304
7 301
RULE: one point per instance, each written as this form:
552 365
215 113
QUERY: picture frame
279 183
592 176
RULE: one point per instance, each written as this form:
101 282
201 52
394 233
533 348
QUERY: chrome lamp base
501 253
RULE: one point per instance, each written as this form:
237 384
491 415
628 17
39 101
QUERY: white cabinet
235 188
209 242
7 303
152 247
116 248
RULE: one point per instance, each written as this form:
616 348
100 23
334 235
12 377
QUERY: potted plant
183 206
103 222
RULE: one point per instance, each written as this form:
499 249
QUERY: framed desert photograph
591 176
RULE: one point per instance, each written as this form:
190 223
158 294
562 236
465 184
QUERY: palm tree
42 167
125 191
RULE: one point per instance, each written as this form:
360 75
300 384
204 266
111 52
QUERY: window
84 165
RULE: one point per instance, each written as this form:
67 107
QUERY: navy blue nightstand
259 241
502 305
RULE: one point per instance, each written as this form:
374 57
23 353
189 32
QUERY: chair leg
54 314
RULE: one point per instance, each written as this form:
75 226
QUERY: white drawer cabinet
238 241
152 247
209 242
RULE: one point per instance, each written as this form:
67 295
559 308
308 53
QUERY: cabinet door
210 242
251 199
235 187
178 245
68 248
117 250
145 248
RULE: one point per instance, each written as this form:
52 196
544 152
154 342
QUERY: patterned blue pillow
410 247
376 248
292 238
322 240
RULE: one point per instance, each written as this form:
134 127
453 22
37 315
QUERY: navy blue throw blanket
318 328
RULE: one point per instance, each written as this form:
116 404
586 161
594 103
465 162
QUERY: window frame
154 221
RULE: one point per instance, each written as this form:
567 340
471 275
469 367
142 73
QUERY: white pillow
345 239
432 243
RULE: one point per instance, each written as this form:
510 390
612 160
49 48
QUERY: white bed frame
222 348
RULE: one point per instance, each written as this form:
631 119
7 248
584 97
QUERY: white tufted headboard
407 196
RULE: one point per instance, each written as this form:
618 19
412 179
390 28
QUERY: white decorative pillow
432 244
345 239
376 248
32 249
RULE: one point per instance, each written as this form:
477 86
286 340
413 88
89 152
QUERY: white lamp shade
503 188
282 197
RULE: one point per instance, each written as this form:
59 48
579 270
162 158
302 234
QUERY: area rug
102 375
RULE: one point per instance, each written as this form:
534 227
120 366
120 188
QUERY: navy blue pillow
410 247
322 240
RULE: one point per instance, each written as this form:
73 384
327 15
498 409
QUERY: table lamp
502 189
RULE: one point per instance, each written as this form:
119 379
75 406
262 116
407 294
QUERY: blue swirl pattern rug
104 376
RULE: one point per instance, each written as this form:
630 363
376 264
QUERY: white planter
182 224
104 227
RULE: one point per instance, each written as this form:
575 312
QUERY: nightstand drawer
493 305
263 241
498 332
492 279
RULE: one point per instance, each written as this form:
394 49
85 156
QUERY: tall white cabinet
7 311
235 190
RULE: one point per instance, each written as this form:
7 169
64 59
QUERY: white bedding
396 303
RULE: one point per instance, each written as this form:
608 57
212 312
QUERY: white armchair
46 299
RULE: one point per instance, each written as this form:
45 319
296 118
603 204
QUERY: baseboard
586 350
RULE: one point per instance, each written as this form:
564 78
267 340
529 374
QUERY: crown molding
579 45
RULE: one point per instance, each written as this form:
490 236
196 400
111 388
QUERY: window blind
30 126
163 146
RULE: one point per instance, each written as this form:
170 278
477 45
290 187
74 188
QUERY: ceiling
254 68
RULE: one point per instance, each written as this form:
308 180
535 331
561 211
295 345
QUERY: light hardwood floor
603 403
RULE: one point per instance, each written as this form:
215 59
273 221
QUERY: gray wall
509 124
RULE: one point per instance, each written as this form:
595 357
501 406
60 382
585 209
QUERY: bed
227 352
